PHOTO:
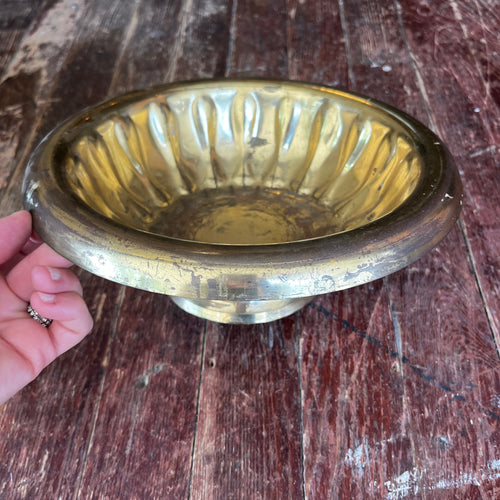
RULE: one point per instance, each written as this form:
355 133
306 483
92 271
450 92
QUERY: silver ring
45 322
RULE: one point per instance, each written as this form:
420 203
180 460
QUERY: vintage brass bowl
242 199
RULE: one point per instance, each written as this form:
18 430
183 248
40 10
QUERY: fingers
34 241
58 295
42 256
55 280
26 347
71 318
15 231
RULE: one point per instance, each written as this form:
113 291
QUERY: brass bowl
242 199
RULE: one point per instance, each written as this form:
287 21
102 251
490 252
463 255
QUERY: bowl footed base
248 312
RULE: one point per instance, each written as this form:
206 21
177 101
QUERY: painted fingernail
33 242
35 238
48 298
55 274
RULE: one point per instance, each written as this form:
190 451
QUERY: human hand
31 272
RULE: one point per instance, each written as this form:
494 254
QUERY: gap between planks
119 303
180 38
301 404
426 102
197 411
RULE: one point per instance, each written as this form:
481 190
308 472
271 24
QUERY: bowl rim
391 242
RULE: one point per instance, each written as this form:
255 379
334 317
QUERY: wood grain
379 61
141 443
259 39
466 121
25 90
45 429
354 436
389 390
315 43
249 423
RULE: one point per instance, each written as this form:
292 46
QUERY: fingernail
35 238
55 274
48 298
31 244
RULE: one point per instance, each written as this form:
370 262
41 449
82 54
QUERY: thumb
14 232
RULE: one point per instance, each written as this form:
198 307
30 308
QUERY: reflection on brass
242 198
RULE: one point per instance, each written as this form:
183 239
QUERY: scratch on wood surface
180 38
420 371
397 334
493 149
232 34
78 484
98 309
348 50
417 481
124 45
130 440
478 17
40 47
406 416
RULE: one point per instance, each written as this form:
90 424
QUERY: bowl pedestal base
248 312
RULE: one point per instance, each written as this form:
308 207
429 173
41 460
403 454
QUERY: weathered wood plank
157 352
45 428
464 109
58 465
354 436
352 391
25 88
448 290
248 442
258 40
451 380
148 404
205 39
151 47
348 442
316 47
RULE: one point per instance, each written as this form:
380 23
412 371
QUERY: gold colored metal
242 199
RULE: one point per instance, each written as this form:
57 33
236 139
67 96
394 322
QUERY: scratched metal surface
388 390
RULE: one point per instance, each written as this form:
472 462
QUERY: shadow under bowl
242 199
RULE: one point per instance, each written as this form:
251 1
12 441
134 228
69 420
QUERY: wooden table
389 390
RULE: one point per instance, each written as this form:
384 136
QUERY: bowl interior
242 164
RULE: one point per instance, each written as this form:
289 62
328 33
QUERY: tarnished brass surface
242 198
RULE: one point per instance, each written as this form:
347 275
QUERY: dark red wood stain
468 91
389 390
249 404
149 399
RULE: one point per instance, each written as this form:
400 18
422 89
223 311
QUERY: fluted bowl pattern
332 165
242 199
